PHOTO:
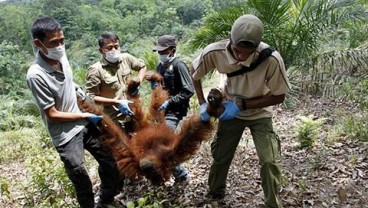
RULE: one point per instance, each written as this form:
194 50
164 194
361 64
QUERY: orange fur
153 150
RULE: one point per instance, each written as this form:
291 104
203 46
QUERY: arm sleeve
41 92
202 65
187 89
93 81
135 63
277 80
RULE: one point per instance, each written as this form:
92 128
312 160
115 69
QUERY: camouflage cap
164 42
247 28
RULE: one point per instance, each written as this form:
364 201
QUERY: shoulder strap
175 62
265 53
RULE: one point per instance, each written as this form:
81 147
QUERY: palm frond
216 26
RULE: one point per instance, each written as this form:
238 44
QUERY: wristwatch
241 103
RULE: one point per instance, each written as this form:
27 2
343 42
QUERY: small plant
318 161
355 89
150 200
4 190
353 159
307 131
49 185
303 184
356 127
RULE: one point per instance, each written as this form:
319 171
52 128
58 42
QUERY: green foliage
12 69
17 113
150 200
14 26
151 60
295 28
83 52
308 130
19 145
4 189
49 185
79 75
303 184
336 73
143 203
318 161
355 127
217 26
354 89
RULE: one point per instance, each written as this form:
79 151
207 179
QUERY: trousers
72 155
179 172
267 146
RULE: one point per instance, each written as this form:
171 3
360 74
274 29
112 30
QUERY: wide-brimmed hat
164 42
247 28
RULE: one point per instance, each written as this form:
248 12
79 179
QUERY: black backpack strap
263 55
175 63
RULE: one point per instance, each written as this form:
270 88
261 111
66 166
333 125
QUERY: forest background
323 42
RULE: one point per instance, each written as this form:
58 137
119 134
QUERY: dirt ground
334 173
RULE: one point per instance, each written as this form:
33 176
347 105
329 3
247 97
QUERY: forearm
56 116
197 86
260 102
141 74
105 101
199 91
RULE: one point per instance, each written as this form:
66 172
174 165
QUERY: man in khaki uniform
250 95
107 79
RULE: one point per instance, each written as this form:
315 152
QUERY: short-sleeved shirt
268 78
54 88
110 81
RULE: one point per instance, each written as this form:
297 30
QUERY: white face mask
112 56
56 53
164 58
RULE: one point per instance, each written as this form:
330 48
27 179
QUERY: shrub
307 130
355 89
13 67
356 127
48 184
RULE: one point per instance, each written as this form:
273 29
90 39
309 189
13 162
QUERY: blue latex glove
164 105
231 110
124 107
203 112
95 119
135 92
154 84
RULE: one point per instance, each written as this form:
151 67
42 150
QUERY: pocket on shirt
112 82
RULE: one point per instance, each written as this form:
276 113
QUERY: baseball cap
164 42
247 28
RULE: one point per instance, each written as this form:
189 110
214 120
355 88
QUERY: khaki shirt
109 81
269 78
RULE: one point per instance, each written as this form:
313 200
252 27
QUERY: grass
18 145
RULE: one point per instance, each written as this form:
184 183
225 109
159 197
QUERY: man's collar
43 63
247 62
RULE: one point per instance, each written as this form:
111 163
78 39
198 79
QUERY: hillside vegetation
322 123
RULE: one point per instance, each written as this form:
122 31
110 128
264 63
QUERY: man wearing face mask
107 79
72 131
256 80
177 81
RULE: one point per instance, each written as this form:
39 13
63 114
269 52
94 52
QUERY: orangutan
153 149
